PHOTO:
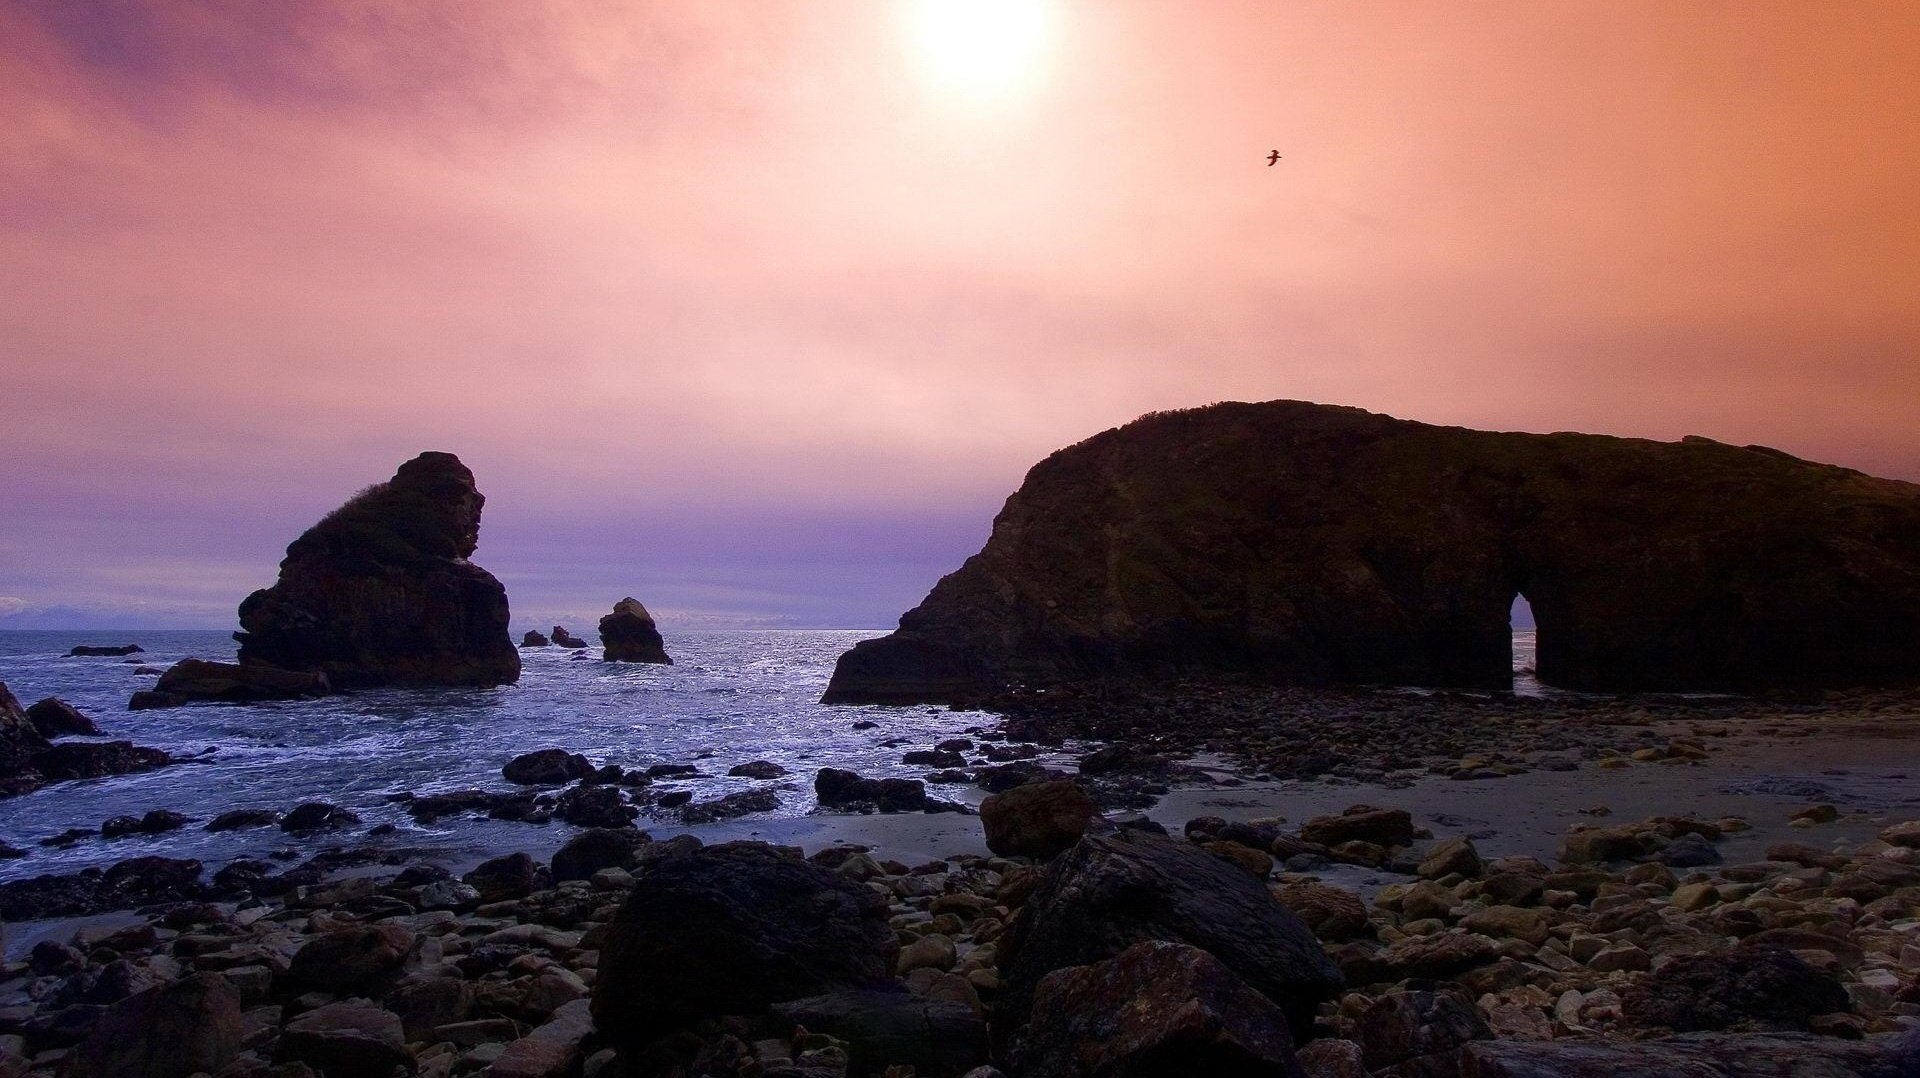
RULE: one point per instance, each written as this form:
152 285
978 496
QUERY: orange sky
758 309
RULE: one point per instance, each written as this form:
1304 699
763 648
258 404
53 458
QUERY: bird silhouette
1273 158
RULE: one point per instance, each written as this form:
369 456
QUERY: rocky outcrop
28 760
380 591
105 649
566 639
534 639
628 635
1038 820
1302 543
20 739
194 681
54 717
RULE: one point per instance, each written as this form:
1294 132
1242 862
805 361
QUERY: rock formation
1300 543
199 681
534 639
566 639
628 635
380 592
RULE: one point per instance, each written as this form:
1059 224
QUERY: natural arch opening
1526 645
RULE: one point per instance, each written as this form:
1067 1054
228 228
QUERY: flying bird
1273 158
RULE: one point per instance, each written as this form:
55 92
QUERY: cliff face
380 592
1303 543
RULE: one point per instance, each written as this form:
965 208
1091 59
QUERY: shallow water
731 697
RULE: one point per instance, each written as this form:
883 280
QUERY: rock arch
1305 543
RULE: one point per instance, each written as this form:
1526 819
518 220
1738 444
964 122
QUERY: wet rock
731 929
350 959
566 639
1406 1029
100 650
238 819
594 806
1436 957
552 1049
137 881
54 717
381 591
1178 545
317 816
535 639
757 769
153 823
194 681
933 758
512 876
1037 820
840 789
628 635
1155 1010
884 1027
1454 855
546 767
1766 1055
96 759
592 850
172 1031
1905 833
1593 845
1361 823
351 1039
20 739
1750 987
732 806
1112 891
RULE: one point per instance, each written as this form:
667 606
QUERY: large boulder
546 767
1303 543
1037 820
1112 891
350 959
380 591
20 739
885 1027
628 635
349 1039
1768 988
54 717
596 848
1155 1010
732 929
838 788
172 1031
200 681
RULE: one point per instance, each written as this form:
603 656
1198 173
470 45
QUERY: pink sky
742 309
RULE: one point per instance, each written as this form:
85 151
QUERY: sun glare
980 50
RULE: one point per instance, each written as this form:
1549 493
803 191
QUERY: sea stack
1306 544
628 635
380 591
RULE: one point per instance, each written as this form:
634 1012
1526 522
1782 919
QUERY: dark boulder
757 769
317 816
732 929
1696 1055
534 639
380 591
732 806
594 806
1421 1031
1112 891
54 717
1765 988
1360 823
628 635
845 790
596 848
153 823
512 876
239 819
1155 1010
20 739
350 959
190 1026
192 681
96 759
1037 820
1302 543
97 649
885 1028
349 1039
546 767
138 881
566 639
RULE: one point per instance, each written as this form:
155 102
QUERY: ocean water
731 697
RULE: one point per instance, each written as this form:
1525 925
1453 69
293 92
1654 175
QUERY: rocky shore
1065 936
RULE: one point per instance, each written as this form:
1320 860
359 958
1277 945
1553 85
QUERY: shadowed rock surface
628 635
1303 543
380 592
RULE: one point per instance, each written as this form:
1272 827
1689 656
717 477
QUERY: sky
757 311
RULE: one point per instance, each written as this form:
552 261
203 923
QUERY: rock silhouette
628 635
380 591
1309 544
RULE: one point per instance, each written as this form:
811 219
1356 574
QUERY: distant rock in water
93 649
54 717
28 760
534 639
199 681
1301 543
628 635
380 592
566 639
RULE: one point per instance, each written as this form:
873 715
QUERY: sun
980 51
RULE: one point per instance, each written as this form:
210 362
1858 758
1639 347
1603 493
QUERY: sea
730 697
